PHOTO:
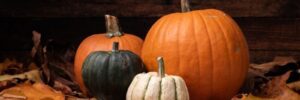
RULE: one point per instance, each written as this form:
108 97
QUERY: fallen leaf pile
12 66
36 91
276 80
46 75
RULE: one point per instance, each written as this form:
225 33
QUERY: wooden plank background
143 8
267 36
271 27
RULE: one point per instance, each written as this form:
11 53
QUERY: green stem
112 26
115 47
185 7
161 67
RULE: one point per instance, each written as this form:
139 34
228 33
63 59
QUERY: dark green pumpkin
107 75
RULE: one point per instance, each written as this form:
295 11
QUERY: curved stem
161 67
185 6
115 47
112 26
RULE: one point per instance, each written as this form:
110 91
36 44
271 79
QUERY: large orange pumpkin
205 47
104 42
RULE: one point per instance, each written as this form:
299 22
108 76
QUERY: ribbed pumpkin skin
107 75
206 46
149 86
101 42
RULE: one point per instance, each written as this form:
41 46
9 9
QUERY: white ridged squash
157 86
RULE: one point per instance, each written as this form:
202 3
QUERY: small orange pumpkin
104 42
205 47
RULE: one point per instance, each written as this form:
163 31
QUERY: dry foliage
276 80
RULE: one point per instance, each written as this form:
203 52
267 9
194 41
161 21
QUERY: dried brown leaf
56 62
36 38
76 98
31 75
295 86
276 89
37 91
13 97
278 61
11 66
253 80
62 87
259 74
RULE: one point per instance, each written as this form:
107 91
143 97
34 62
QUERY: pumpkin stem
112 26
185 7
115 47
161 67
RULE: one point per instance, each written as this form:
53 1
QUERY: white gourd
157 86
